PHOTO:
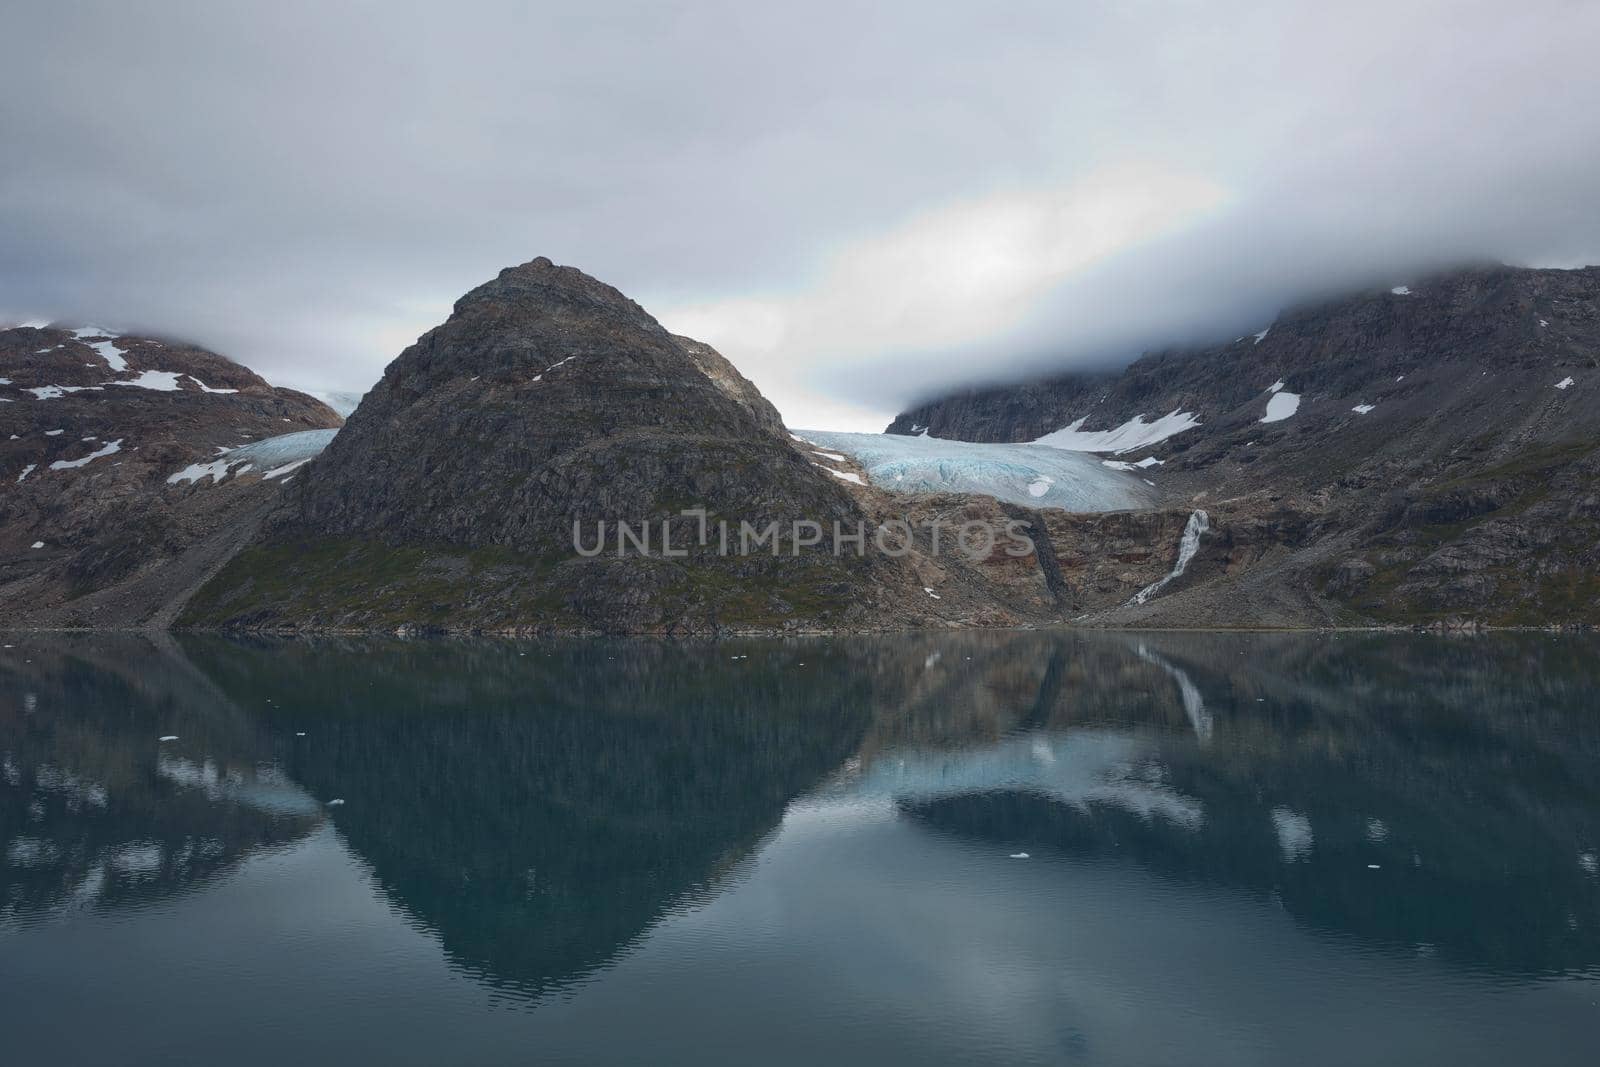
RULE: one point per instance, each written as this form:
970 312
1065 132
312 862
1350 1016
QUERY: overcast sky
859 204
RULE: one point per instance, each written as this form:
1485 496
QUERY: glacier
270 454
1034 475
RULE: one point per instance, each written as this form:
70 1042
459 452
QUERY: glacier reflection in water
938 848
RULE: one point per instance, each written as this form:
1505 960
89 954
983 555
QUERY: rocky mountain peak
542 284
547 399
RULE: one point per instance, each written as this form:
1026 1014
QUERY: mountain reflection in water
545 810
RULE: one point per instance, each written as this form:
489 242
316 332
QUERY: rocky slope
549 399
94 428
1422 454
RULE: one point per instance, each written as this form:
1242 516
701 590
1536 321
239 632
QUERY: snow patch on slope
1281 406
107 350
1131 435
110 448
847 476
50 392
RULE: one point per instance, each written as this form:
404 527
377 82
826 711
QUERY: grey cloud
307 186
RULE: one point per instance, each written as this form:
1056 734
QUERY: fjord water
970 848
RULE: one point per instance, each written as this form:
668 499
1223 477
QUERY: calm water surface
974 848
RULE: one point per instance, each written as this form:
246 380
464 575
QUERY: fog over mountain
857 206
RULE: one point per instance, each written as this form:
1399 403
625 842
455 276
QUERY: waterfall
1199 524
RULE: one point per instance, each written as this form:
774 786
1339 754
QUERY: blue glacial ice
271 457
1031 474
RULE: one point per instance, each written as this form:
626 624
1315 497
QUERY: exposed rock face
549 399
1438 454
726 376
92 426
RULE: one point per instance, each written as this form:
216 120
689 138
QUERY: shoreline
412 633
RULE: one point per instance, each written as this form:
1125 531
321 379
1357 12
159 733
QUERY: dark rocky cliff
548 399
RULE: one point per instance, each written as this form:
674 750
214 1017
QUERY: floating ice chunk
1401 290
1564 383
1281 406
1374 867
336 802
1019 855
168 737
110 448
1362 409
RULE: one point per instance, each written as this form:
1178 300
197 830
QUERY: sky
860 205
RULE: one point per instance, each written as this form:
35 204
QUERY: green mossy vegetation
332 579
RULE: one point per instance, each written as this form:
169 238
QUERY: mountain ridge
1437 440
113 502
